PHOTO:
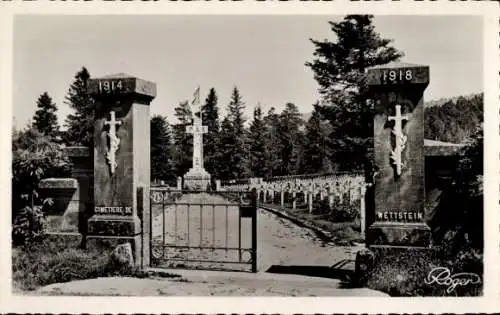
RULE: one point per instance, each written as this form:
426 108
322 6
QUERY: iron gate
203 229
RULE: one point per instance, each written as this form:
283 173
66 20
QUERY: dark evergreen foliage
183 149
454 121
317 157
339 68
257 144
80 124
161 151
273 143
291 139
210 115
45 119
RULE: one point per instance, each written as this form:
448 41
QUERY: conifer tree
239 154
273 143
317 144
339 68
210 116
257 145
161 150
225 150
45 119
291 139
80 124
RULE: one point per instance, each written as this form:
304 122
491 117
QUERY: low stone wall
72 197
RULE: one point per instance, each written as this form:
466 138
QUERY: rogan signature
442 276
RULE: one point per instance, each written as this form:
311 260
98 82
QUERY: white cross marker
114 141
396 154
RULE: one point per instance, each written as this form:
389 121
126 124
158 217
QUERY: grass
59 259
342 233
403 272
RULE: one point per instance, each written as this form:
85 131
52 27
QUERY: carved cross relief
114 141
400 137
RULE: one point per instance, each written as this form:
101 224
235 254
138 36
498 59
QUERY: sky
263 56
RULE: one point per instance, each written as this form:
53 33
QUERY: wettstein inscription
404 216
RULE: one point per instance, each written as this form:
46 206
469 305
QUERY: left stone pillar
122 161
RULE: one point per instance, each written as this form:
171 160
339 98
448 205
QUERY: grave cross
114 141
396 154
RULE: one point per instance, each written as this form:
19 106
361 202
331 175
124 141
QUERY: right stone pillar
397 92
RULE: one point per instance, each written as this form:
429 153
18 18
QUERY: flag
196 95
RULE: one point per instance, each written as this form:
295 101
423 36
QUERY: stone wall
72 197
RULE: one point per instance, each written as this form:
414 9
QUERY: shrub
35 156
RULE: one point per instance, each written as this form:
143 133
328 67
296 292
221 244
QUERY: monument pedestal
396 217
122 162
197 179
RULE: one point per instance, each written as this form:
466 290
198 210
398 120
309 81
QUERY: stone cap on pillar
120 85
398 73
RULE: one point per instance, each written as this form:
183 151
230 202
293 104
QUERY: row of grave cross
333 187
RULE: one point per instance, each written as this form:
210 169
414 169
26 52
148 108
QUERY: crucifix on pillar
114 141
400 139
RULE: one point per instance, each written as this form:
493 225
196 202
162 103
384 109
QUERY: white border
490 302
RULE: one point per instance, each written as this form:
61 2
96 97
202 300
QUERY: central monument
197 178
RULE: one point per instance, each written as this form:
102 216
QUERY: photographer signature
443 276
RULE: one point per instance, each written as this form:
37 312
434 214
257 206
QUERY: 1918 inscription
397 76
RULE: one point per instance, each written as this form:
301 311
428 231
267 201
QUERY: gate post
144 212
254 230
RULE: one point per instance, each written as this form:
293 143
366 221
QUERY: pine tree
272 144
291 139
239 154
161 150
257 145
45 119
210 116
317 154
339 68
80 124
225 150
183 142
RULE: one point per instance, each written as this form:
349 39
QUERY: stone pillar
122 161
397 91
294 200
179 183
282 198
264 197
217 185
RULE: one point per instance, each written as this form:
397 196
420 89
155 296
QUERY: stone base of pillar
197 179
109 225
386 234
106 232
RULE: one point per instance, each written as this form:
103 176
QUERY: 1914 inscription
113 210
111 86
